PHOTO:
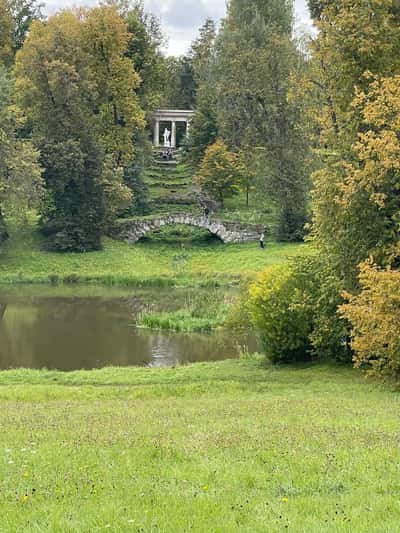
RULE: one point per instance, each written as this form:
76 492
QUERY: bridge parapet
229 232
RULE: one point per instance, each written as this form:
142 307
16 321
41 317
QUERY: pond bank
145 264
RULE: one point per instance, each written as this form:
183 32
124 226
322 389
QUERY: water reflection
74 330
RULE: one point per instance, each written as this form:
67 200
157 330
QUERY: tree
20 173
24 13
144 50
180 85
16 17
351 48
220 172
204 128
256 56
6 25
374 314
79 89
356 193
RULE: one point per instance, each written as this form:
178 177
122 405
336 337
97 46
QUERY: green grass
181 320
223 447
22 259
199 312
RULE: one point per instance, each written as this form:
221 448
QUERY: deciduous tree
220 172
79 89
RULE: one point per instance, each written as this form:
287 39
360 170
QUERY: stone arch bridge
229 232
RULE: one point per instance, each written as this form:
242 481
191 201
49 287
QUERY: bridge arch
228 232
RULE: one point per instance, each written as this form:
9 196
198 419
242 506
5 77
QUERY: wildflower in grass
25 498
284 500
205 488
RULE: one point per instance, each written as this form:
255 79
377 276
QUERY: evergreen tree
144 50
180 85
256 59
204 128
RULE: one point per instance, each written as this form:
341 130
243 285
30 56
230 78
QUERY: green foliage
374 314
204 128
79 90
220 172
322 296
134 179
24 13
276 307
201 311
6 25
73 217
295 311
256 58
180 85
145 39
355 201
358 59
3 228
316 7
20 174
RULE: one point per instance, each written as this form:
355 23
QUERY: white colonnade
173 116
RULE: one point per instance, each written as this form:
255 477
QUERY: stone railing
229 232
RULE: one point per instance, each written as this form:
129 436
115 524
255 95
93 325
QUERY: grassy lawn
22 259
220 447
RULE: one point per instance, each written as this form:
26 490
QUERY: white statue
166 136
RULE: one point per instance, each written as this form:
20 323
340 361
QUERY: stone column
156 140
173 135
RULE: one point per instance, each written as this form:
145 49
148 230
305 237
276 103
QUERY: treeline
74 92
77 92
243 89
345 303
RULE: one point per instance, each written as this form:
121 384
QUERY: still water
69 328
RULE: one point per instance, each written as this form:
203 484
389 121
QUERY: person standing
262 241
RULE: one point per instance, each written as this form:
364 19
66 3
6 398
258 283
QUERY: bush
71 279
375 318
296 312
276 307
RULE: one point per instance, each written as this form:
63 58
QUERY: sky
181 19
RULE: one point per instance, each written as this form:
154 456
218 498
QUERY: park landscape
199 269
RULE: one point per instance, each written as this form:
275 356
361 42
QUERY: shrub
54 279
330 332
375 318
276 308
296 312
71 279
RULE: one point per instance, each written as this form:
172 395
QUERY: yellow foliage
375 318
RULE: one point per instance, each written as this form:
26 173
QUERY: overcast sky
181 19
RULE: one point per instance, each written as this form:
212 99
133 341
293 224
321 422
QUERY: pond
74 327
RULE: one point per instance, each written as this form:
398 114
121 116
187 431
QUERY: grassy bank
200 311
222 447
22 259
